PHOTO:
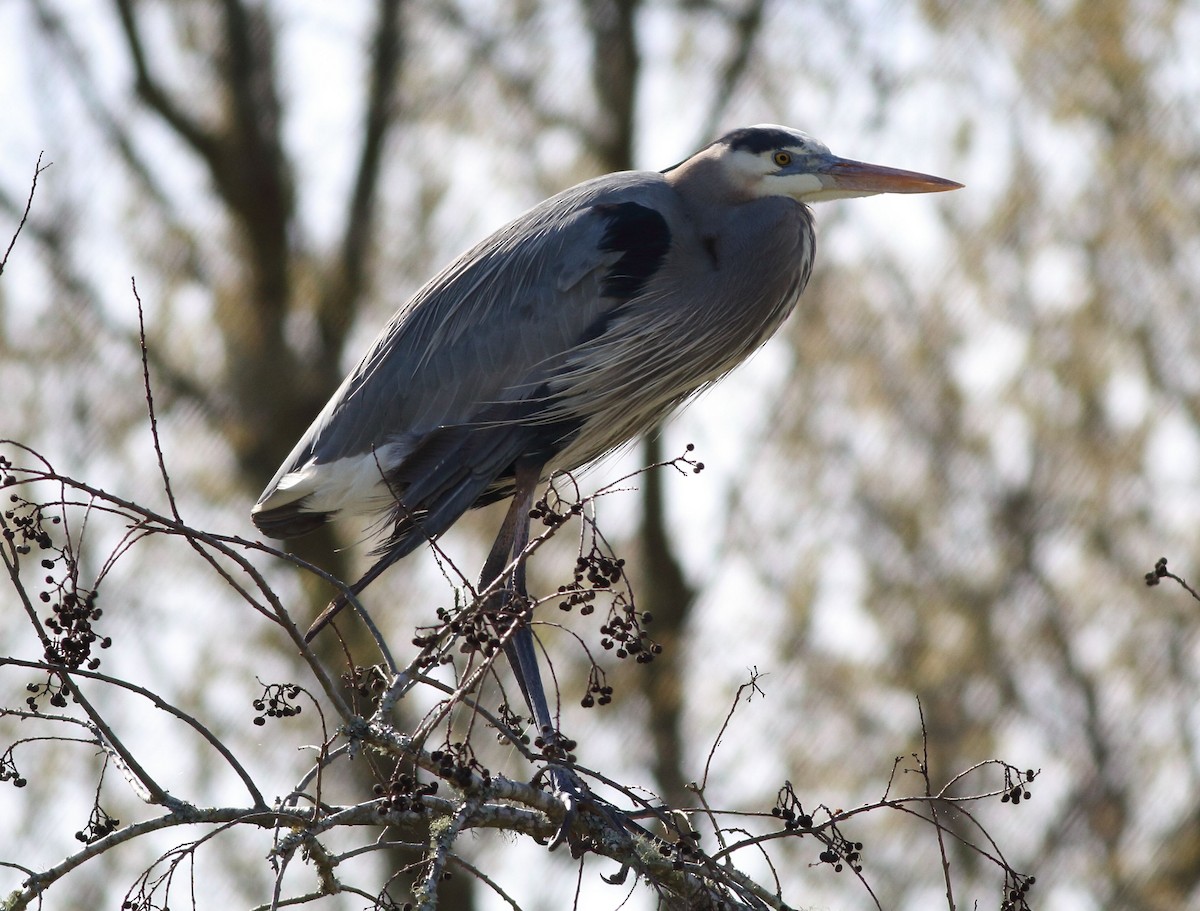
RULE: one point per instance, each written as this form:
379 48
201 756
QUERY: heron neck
704 187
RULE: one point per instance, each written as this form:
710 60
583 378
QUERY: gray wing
461 382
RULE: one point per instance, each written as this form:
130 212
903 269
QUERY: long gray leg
521 650
520 647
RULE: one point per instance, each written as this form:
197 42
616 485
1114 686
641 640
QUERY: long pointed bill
857 178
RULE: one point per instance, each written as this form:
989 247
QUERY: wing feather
464 367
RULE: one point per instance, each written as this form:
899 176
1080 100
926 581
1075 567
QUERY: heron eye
783 159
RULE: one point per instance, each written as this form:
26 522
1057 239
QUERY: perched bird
559 338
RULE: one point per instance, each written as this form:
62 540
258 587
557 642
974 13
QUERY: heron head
770 160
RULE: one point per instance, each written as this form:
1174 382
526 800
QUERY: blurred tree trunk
273 389
661 588
989 437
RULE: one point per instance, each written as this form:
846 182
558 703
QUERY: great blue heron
561 337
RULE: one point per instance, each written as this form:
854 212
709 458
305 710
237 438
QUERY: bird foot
575 797
567 787
570 791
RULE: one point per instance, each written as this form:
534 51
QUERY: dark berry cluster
1016 784
73 607
553 511
514 721
475 630
99 825
687 461
56 692
787 807
456 763
1159 572
24 524
70 624
368 681
1016 891
8 770
142 904
598 692
555 745
683 850
277 701
838 849
143 899
595 572
622 632
384 902
403 794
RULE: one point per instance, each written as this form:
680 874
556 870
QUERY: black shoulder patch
757 139
641 236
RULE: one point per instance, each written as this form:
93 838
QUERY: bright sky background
320 60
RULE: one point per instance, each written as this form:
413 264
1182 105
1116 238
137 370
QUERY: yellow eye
783 159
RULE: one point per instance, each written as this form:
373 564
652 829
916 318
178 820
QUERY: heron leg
512 539
520 648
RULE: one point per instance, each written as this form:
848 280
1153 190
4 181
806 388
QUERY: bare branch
380 117
37 170
159 703
745 25
152 92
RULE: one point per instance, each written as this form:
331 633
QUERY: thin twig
229 546
752 685
37 170
937 826
159 703
459 861
146 387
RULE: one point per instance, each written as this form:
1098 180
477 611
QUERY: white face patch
801 187
762 176
747 168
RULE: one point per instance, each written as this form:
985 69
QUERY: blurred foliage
945 480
